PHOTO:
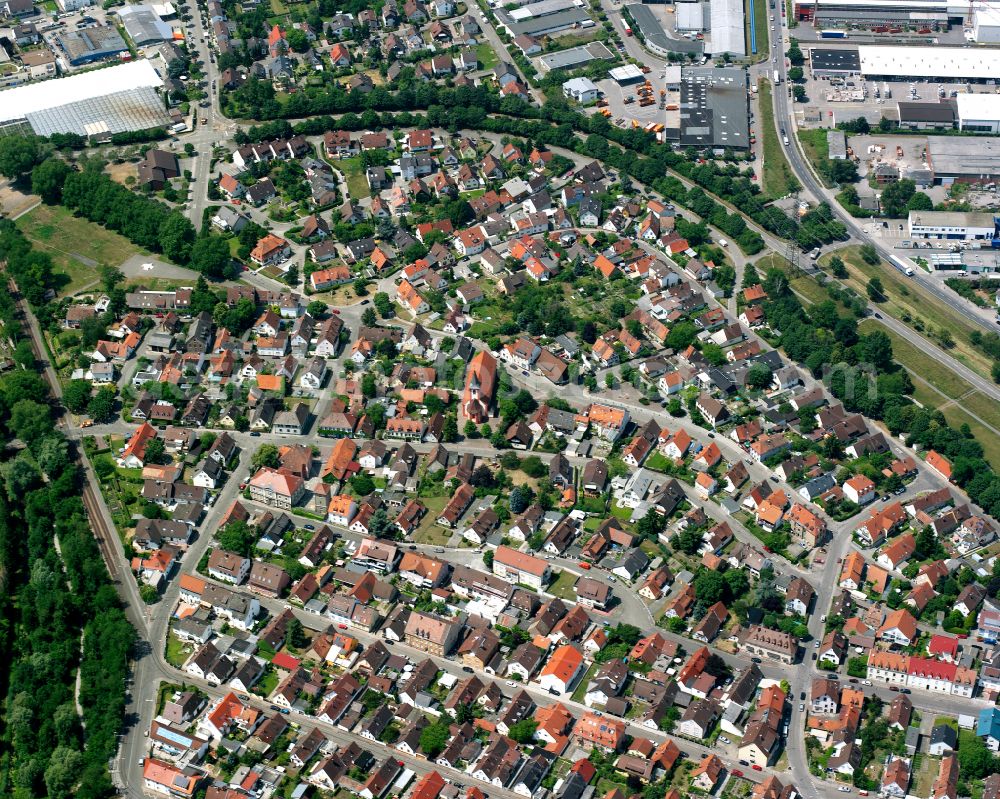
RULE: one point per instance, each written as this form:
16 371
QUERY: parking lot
851 97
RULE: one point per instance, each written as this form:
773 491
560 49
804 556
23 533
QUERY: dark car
467 669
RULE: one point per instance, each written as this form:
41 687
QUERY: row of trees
59 612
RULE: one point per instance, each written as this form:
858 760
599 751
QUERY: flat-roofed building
714 108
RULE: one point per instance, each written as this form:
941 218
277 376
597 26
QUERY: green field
75 245
907 301
487 56
562 586
941 388
778 178
354 173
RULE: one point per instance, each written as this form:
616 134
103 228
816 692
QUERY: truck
831 34
777 78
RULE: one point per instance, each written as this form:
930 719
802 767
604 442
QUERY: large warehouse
91 44
97 103
964 159
144 25
727 27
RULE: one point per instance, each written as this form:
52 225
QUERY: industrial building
877 13
927 115
651 32
953 225
691 17
986 24
727 28
979 112
627 74
544 18
836 145
144 26
834 62
96 103
964 159
575 57
91 44
944 64
714 108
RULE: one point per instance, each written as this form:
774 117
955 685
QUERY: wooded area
58 613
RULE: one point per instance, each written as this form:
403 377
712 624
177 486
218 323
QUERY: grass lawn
354 174
177 651
429 532
778 177
907 301
581 687
267 683
817 149
75 245
562 586
487 56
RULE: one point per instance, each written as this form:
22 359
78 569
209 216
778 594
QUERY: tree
47 179
266 455
63 771
368 317
520 496
18 155
875 290
155 450
838 268
237 537
76 395
759 376
533 467
362 484
869 254
857 667
297 40
53 454
488 559
295 634
449 432
710 587
383 304
176 237
470 430
434 738
210 255
360 287
30 421
483 477
368 387
523 731
381 526
316 308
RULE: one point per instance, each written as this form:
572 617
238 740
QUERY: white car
511 684
816 644
724 739
844 789
866 682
